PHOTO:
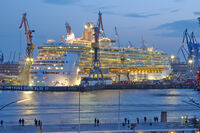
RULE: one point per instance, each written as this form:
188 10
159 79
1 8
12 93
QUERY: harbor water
63 107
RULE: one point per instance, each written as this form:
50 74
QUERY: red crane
28 32
25 76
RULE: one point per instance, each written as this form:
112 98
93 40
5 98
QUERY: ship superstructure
56 65
65 63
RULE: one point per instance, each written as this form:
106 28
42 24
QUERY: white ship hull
56 69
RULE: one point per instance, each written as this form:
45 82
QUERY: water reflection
62 107
173 97
26 106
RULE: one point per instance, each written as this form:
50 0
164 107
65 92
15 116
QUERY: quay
156 127
96 87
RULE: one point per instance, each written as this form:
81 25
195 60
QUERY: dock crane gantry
25 77
191 54
96 65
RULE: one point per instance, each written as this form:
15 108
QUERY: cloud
61 2
107 7
110 13
137 15
176 28
175 10
196 13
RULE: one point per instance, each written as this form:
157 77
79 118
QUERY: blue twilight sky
158 22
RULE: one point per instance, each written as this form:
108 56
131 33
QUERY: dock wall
97 87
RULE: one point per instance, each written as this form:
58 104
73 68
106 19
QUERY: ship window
34 77
33 72
51 72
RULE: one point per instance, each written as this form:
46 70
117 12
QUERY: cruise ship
64 63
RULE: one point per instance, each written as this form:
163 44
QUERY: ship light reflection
28 92
172 98
20 101
27 102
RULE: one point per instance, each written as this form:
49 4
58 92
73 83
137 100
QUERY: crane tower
25 76
96 65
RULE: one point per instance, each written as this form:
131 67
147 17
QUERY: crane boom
117 37
187 37
100 25
28 32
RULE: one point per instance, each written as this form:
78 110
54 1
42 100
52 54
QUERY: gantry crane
117 37
191 54
25 77
96 65
1 57
122 57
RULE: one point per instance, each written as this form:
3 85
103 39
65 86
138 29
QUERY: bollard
163 116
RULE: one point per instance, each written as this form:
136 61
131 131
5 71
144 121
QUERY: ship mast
96 65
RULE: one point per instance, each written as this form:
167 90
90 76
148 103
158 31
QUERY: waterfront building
9 72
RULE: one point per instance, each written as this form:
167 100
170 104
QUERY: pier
174 127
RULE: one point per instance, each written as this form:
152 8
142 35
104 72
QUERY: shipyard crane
130 44
122 53
13 59
191 54
28 32
192 45
187 39
70 34
117 37
1 57
183 51
25 77
96 65
100 25
68 28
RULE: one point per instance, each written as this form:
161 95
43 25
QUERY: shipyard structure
66 62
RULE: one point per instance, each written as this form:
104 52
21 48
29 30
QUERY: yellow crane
25 76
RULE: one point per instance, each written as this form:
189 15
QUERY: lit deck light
190 61
172 57
27 59
182 117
